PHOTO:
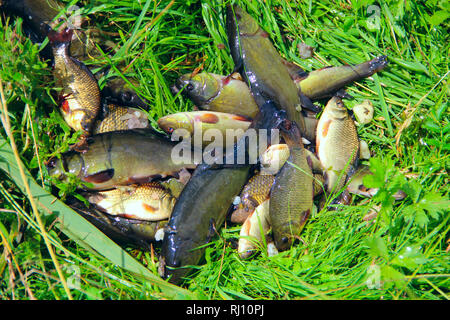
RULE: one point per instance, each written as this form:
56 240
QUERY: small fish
213 92
363 112
356 184
148 201
291 196
120 158
121 118
255 192
253 230
197 123
337 144
123 231
327 81
79 89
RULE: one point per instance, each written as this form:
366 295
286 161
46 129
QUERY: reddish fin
100 177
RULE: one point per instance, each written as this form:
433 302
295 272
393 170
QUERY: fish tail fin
378 64
63 37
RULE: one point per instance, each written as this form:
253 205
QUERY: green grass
399 255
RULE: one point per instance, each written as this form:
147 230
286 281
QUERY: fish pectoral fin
101 176
341 93
307 104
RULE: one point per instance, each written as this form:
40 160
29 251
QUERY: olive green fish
261 65
213 92
337 144
80 93
291 196
325 82
120 158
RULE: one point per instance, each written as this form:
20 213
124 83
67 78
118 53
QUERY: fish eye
170 129
284 240
126 96
190 87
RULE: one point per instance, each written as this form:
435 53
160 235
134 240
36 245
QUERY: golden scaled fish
148 201
80 93
199 122
255 192
291 196
121 118
337 144
254 229
213 92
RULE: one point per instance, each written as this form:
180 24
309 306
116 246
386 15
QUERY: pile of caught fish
139 194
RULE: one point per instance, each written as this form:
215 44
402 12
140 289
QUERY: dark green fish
120 158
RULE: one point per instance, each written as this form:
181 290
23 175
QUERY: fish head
175 121
55 168
286 233
200 88
335 109
59 168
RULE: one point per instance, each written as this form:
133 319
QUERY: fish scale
148 201
337 143
80 89
291 198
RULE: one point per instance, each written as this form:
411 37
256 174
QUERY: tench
120 158
213 92
80 93
325 82
337 144
261 66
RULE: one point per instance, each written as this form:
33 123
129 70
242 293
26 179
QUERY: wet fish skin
198 122
255 226
119 118
118 91
80 90
337 143
120 158
260 64
148 201
291 196
255 192
123 231
213 92
325 82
